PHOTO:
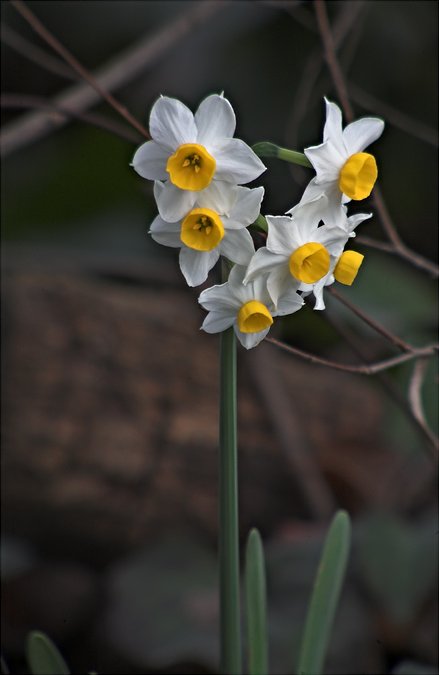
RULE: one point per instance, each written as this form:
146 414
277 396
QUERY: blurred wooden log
110 398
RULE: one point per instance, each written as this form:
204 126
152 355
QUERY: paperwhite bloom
249 309
194 154
298 251
344 171
209 231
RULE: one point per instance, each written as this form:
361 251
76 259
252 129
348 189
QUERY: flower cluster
199 169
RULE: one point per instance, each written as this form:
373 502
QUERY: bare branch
368 369
403 252
415 396
14 40
370 322
117 72
24 101
331 58
58 47
400 120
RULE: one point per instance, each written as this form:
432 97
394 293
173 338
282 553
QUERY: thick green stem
230 628
265 149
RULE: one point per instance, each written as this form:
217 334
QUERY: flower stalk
230 625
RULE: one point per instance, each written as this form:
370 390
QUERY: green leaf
325 596
256 605
43 656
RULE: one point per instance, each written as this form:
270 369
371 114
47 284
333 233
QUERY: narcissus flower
344 171
194 154
209 230
249 309
298 251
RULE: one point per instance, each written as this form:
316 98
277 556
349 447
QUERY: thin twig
69 58
395 117
386 381
341 87
370 322
331 58
368 369
117 72
415 396
25 48
403 252
25 101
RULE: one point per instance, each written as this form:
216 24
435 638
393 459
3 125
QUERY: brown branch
331 58
398 119
117 72
403 252
386 381
25 48
370 322
415 396
65 54
340 84
368 369
25 101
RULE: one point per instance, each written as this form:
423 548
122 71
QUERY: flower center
348 266
191 167
309 263
358 176
254 317
202 230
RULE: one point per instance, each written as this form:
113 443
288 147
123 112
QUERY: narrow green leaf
43 656
325 596
256 605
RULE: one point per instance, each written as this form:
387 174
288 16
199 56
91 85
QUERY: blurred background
110 390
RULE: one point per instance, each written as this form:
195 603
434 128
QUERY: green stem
230 629
266 149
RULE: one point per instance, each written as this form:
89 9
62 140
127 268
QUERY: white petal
174 204
332 130
283 235
215 121
216 322
333 213
196 265
281 283
237 246
353 221
289 302
327 161
150 161
361 133
167 234
220 299
246 209
263 262
236 162
250 340
172 124
219 196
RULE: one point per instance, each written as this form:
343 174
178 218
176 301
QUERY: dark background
90 301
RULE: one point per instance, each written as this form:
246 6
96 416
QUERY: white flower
194 154
249 309
210 230
344 171
298 251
